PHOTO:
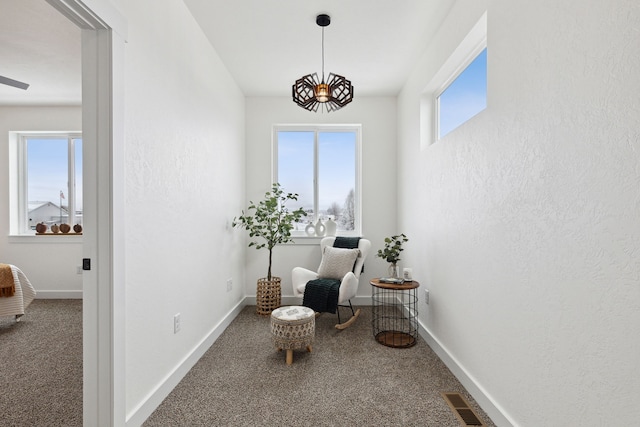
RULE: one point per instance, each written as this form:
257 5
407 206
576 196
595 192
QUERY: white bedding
18 303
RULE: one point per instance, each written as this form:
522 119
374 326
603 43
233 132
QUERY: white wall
378 119
50 262
184 177
528 214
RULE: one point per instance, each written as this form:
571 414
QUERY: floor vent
462 410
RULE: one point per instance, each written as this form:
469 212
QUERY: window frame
317 129
19 220
462 67
470 46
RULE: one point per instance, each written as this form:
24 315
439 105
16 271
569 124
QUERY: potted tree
391 253
269 223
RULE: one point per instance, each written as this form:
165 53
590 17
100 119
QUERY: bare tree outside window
334 210
348 218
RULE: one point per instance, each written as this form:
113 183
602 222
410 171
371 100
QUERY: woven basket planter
267 295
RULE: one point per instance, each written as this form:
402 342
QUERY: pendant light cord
322 54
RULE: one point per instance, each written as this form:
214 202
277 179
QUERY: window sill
33 239
312 240
305 240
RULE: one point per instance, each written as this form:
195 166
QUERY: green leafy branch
271 222
392 248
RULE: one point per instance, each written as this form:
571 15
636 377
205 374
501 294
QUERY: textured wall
184 176
528 214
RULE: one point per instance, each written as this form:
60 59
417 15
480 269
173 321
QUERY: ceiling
268 44
40 47
265 44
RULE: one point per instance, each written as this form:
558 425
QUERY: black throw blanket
346 242
321 295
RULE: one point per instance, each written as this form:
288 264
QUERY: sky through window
465 97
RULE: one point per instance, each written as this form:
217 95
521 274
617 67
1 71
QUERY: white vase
331 227
320 229
310 230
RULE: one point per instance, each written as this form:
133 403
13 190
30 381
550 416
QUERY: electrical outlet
176 323
229 284
426 296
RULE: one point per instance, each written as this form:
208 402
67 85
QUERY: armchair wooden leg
289 357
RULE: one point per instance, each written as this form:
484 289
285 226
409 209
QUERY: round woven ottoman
292 328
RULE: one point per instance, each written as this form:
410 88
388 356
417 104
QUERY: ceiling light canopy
309 92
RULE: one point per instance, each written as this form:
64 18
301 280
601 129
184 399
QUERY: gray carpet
41 366
348 380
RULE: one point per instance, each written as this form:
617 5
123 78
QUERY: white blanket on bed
18 303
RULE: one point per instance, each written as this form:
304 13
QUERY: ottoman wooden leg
309 348
289 357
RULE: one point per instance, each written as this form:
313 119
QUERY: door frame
104 33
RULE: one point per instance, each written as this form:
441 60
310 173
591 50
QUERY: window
321 164
464 97
49 182
458 90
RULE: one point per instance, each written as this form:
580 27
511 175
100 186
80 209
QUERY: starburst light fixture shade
309 92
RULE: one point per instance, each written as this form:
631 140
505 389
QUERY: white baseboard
58 294
139 414
488 404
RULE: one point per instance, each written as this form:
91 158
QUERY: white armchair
348 285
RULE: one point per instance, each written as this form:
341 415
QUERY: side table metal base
395 313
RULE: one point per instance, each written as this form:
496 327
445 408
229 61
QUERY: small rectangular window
464 97
50 180
321 164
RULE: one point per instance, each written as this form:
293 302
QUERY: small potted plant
269 223
391 252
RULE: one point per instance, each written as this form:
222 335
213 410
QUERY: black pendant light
333 93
